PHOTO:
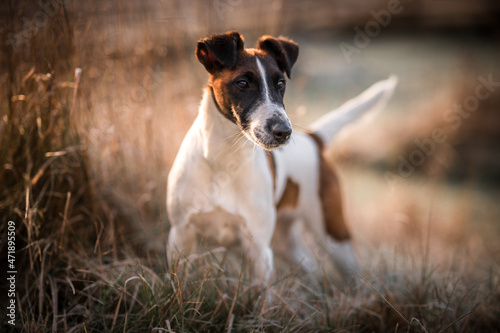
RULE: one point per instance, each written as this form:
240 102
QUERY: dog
242 175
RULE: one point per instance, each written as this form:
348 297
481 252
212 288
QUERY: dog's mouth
270 137
268 126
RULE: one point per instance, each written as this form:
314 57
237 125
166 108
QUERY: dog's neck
221 137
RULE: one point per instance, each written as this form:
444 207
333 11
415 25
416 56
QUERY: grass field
95 100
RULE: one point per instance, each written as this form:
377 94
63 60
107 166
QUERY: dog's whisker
301 128
253 150
237 139
234 135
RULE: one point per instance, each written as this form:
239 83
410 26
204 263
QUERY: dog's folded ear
218 51
283 49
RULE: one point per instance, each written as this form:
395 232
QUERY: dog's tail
368 102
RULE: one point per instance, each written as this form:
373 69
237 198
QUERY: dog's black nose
281 132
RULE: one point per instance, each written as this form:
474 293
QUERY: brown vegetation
83 166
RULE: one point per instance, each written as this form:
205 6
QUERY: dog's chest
235 196
234 184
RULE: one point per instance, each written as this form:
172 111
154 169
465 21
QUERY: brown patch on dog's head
246 81
284 50
216 52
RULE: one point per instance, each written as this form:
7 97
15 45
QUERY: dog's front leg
260 256
255 240
181 243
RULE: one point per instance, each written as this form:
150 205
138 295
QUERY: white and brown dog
241 176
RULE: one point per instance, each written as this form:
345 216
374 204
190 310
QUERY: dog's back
307 187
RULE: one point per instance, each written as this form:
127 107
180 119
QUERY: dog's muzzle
281 131
275 132
269 127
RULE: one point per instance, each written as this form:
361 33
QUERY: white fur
370 101
214 170
220 187
267 109
299 161
264 82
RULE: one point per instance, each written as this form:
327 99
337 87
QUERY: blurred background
85 158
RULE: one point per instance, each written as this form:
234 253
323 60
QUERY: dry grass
83 167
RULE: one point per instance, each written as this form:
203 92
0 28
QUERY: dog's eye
242 84
281 84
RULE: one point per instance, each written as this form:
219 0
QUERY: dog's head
248 85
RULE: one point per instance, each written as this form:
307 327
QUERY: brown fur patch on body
330 196
290 198
227 230
272 167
